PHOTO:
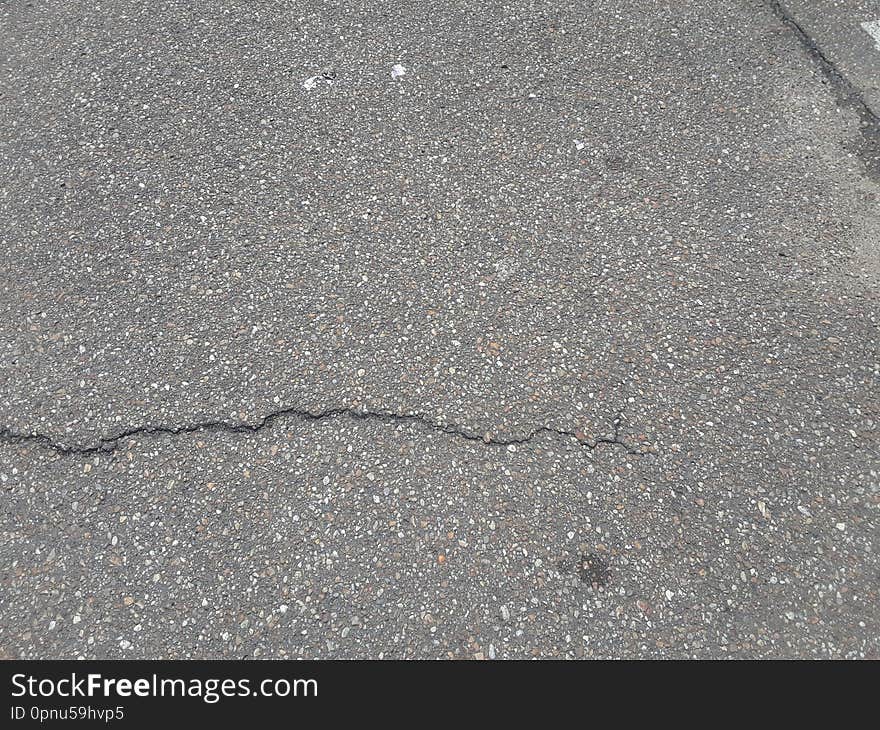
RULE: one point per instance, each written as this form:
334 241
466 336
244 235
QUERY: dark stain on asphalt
589 568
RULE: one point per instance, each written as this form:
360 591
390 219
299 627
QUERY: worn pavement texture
559 341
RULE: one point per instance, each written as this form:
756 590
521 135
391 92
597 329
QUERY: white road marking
872 28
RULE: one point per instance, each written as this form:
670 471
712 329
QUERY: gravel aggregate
415 330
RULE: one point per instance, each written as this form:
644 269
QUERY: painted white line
872 28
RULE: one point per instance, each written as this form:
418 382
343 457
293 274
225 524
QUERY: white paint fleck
579 145
311 82
872 28
397 71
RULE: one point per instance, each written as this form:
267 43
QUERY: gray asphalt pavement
416 330
848 34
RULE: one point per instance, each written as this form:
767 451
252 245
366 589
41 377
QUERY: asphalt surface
848 34
415 331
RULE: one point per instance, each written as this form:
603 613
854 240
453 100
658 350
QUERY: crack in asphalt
847 94
106 444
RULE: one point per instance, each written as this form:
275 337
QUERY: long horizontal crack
111 443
